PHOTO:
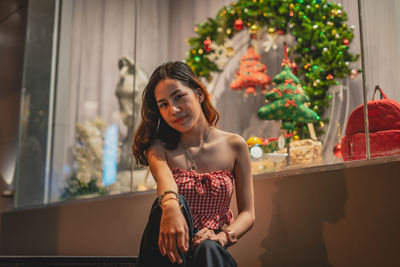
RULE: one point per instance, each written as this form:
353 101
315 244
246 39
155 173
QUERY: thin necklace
194 166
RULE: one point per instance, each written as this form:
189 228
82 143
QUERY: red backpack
384 129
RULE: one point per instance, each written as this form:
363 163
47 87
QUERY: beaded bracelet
160 197
165 200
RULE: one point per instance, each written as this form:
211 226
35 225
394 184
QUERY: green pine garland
322 41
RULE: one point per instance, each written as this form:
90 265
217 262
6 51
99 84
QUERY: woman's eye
179 97
163 105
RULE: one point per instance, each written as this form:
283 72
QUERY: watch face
233 237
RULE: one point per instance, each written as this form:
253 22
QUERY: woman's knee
208 246
211 253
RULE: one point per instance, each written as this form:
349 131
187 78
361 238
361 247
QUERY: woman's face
180 106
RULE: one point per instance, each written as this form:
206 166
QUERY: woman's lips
180 119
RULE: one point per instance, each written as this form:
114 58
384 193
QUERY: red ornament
337 150
353 73
206 45
238 24
346 42
294 68
329 77
280 32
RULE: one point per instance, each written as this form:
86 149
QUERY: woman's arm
244 190
174 232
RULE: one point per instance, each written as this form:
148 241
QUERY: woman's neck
196 136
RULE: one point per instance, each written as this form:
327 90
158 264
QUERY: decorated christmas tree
251 73
321 50
287 100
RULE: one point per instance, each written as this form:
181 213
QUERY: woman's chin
183 127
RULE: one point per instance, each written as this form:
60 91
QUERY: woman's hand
221 238
174 232
205 234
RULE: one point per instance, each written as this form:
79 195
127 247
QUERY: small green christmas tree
287 100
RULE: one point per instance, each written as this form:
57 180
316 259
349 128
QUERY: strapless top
209 196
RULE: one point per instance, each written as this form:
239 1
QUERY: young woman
196 167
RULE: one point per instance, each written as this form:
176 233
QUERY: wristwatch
231 236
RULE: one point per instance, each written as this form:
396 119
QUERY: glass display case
285 75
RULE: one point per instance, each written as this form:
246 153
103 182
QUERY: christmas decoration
206 45
286 17
251 73
304 152
271 41
337 149
294 68
256 152
254 141
269 145
287 100
253 29
221 53
238 24
354 73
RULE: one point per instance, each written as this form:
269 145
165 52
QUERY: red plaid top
209 196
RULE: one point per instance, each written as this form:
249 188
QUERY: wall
346 216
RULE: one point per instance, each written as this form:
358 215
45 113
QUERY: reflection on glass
95 111
382 64
235 53
100 80
36 100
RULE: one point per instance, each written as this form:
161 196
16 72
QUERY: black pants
208 253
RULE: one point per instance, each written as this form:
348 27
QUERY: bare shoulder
157 149
235 141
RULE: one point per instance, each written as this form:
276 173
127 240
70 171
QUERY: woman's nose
175 109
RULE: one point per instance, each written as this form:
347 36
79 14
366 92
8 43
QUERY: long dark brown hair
153 125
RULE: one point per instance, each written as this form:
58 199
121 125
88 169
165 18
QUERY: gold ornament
254 141
253 28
